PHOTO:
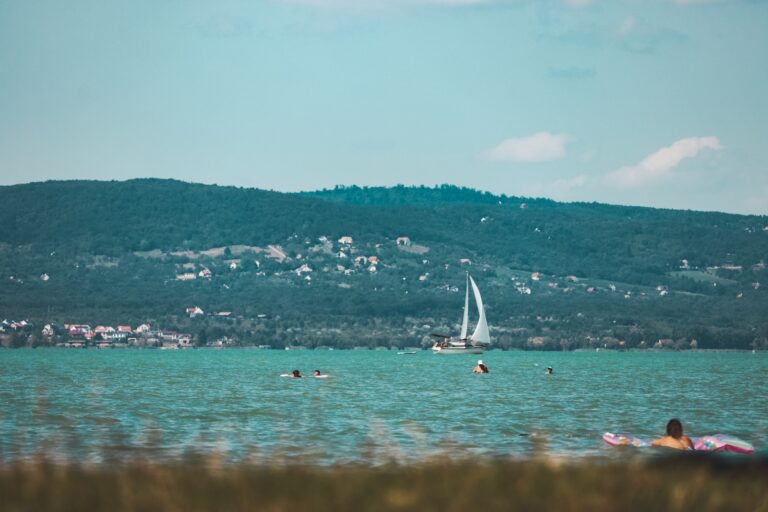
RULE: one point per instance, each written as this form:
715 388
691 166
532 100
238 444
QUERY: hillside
553 274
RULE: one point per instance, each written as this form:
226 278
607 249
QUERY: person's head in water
675 428
296 373
317 373
549 369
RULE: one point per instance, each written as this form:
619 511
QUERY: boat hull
470 349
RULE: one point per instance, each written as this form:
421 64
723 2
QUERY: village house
194 311
78 329
143 328
346 240
187 276
205 273
361 260
465 261
304 269
403 240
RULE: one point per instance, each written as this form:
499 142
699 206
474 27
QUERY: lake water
101 406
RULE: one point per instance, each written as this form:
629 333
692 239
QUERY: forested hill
115 251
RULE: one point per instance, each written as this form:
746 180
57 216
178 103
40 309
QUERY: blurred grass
670 483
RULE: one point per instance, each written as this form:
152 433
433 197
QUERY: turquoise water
101 406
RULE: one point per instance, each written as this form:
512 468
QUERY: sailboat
474 344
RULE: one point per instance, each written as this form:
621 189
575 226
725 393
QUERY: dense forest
378 266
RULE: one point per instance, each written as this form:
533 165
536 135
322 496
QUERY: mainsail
465 321
481 334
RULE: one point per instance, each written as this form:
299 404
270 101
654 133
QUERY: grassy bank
689 483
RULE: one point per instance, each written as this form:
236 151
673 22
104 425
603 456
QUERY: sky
658 103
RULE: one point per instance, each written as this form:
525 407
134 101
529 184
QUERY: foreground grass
688 483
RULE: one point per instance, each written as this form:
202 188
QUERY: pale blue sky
648 102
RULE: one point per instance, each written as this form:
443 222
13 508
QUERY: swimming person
317 373
480 368
674 438
549 370
296 374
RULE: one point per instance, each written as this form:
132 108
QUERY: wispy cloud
539 147
571 73
567 184
695 2
363 4
659 165
579 3
632 34
402 3
627 26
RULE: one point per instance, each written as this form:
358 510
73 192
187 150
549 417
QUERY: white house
187 276
194 311
403 240
304 269
347 240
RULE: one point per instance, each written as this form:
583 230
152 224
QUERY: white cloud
658 165
539 147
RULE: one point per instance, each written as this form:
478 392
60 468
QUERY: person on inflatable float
674 438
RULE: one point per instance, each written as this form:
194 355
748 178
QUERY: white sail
481 334
465 321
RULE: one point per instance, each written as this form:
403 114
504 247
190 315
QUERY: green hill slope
113 252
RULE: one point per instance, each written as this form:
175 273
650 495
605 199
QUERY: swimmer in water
549 370
674 438
317 373
480 368
296 374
